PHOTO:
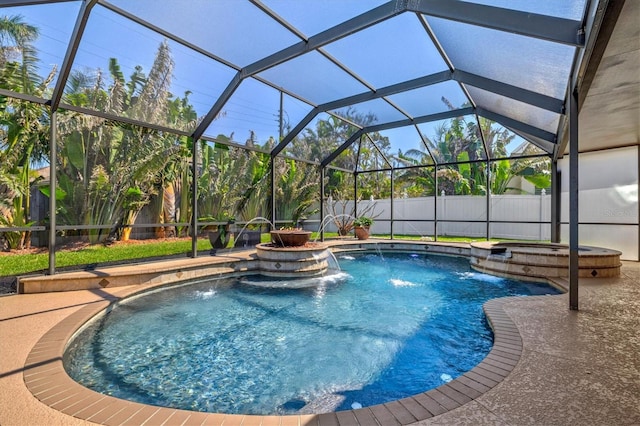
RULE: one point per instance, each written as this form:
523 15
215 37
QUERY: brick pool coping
46 379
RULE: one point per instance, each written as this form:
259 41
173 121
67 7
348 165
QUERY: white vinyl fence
525 217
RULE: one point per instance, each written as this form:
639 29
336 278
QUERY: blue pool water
387 328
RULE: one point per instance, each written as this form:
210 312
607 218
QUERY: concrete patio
579 368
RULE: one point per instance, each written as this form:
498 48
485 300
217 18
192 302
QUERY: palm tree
455 141
253 202
535 170
297 189
416 181
23 125
17 50
109 171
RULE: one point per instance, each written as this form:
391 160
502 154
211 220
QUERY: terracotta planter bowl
290 238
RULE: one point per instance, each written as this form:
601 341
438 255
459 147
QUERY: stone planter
290 237
247 239
308 261
220 239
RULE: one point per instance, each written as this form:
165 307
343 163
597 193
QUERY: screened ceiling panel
431 99
313 17
537 65
524 148
569 9
234 30
453 140
251 115
401 140
105 36
348 158
503 143
372 112
418 155
179 70
320 138
525 113
393 51
294 110
540 143
314 78
53 36
370 154
241 68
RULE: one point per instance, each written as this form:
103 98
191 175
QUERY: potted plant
361 227
220 237
343 216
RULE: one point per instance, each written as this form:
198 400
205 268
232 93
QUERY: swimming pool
390 327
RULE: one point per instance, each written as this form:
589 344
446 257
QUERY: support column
355 194
391 203
573 201
488 230
321 203
194 197
53 153
272 202
435 203
556 191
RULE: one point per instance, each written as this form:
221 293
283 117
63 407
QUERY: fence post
542 195
322 209
444 213
391 204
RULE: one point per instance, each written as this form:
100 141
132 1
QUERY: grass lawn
20 263
23 263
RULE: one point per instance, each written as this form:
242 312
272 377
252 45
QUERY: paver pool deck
574 367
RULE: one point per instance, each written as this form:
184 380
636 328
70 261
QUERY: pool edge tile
44 365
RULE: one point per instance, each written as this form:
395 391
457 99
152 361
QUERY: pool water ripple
392 328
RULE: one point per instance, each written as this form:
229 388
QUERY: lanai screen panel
517 110
453 140
371 112
294 110
570 9
314 78
537 141
537 65
390 52
297 190
348 159
432 99
103 167
313 17
503 143
52 40
252 115
171 69
320 138
236 31
399 141
370 153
